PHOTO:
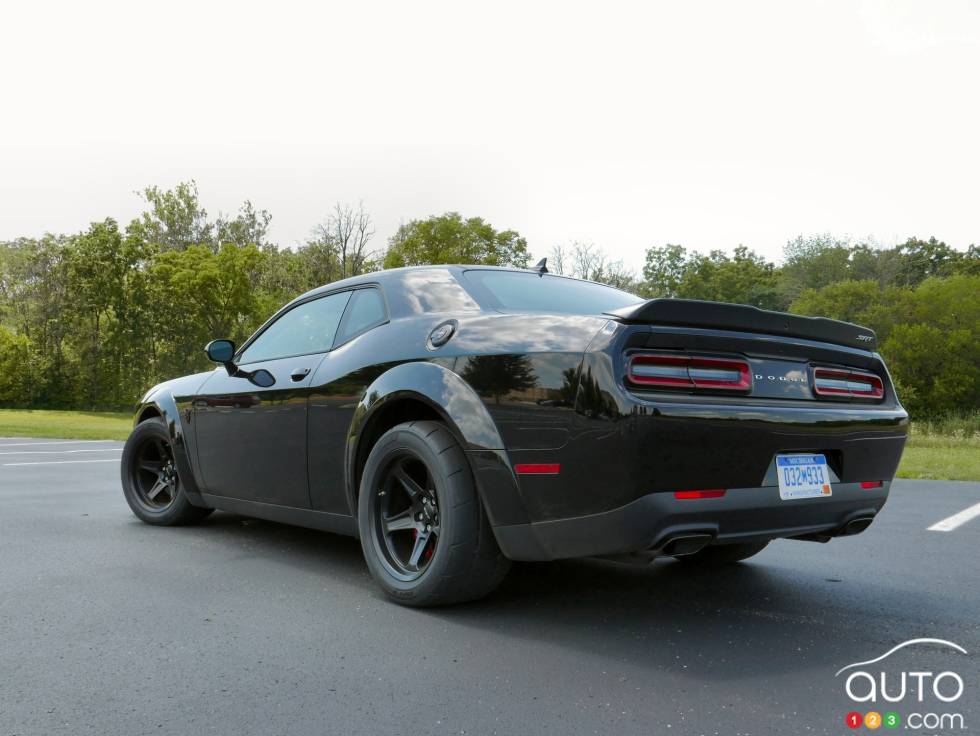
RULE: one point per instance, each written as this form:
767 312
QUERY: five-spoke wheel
155 475
407 517
150 479
425 535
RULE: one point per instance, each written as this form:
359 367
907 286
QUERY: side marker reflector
714 493
537 468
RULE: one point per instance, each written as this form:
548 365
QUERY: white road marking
956 520
60 452
62 462
59 442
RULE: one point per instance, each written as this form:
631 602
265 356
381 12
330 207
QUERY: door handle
299 374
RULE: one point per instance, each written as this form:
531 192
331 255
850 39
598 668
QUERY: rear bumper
647 523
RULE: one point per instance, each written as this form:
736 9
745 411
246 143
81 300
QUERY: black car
456 418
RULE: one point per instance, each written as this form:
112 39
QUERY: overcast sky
626 124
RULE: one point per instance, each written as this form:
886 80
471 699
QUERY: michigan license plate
802 476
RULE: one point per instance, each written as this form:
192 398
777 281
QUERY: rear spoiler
721 316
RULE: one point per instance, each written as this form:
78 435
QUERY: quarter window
367 309
309 327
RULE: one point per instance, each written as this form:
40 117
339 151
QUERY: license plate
802 476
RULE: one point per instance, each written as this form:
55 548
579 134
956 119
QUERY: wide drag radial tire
425 535
724 554
149 478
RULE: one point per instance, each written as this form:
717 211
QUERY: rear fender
463 411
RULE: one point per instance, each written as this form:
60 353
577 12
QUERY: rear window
530 292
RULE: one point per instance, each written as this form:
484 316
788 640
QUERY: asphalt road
236 626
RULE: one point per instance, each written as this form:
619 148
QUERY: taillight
843 383
690 372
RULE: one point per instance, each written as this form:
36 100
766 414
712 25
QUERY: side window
367 309
307 328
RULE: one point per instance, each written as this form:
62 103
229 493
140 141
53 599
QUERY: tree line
91 320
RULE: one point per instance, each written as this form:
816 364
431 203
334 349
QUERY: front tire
150 481
425 535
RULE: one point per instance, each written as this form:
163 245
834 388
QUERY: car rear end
703 423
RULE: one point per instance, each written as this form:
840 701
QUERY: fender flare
463 411
162 402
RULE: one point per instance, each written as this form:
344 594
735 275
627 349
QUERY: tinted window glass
435 290
307 328
529 292
366 309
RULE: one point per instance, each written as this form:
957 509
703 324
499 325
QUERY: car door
252 438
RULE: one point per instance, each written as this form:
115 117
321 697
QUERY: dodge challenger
456 418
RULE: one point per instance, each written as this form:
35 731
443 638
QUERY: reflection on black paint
583 391
497 375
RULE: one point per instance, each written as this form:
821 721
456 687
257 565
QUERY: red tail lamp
689 372
843 383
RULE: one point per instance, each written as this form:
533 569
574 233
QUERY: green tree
107 310
199 295
33 294
936 371
15 356
174 220
920 259
744 278
664 270
249 227
949 303
449 238
861 302
814 262
930 335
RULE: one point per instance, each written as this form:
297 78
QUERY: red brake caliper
427 555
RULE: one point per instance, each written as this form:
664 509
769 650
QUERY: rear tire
724 554
426 538
150 481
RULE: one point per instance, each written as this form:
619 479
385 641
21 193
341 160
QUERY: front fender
463 411
163 404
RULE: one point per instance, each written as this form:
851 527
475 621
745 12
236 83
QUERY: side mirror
223 351
220 351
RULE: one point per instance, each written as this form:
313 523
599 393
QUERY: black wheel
425 535
724 554
150 480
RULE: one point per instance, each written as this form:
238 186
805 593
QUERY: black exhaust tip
686 544
855 526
